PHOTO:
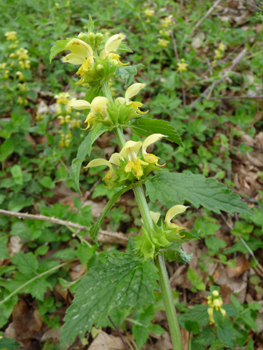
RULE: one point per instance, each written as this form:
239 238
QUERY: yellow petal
120 100
131 149
98 104
133 90
99 162
177 209
115 159
79 104
155 216
150 140
151 158
113 43
80 48
73 59
128 168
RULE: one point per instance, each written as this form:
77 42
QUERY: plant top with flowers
127 281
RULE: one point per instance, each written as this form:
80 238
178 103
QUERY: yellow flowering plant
120 281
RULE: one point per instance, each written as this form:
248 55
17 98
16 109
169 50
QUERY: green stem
148 223
33 279
169 304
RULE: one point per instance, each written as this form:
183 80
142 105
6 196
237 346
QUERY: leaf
127 73
3 248
9 343
59 46
122 282
223 328
146 127
95 228
140 334
26 263
93 92
175 188
38 288
198 314
90 24
206 337
236 304
252 243
84 150
85 253
65 254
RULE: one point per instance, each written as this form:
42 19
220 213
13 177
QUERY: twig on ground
224 75
103 236
205 16
119 334
244 243
178 60
236 97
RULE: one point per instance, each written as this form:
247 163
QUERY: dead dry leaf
241 266
105 341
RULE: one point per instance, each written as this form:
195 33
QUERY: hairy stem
169 304
160 263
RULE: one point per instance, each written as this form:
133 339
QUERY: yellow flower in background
165 33
213 63
2 65
10 36
222 47
215 302
20 75
218 54
167 21
64 119
65 140
62 98
22 54
98 105
182 66
148 12
163 42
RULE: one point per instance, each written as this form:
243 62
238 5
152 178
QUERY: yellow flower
2 65
165 33
20 100
64 120
62 98
182 66
22 54
213 63
166 22
172 212
80 51
21 64
10 36
148 157
163 42
218 54
114 160
136 166
215 293
75 123
132 90
20 75
112 45
149 12
222 47
98 105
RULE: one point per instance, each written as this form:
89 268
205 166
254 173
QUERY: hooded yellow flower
172 212
98 105
80 51
132 90
127 161
111 46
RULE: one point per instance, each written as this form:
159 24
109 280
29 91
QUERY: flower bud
98 39
99 67
84 37
91 38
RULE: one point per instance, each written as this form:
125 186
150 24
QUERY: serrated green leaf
85 253
198 314
146 127
175 188
9 343
236 303
38 288
127 73
95 228
140 334
84 150
65 254
122 282
206 337
59 46
26 263
223 328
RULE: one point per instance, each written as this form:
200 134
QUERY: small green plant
127 281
